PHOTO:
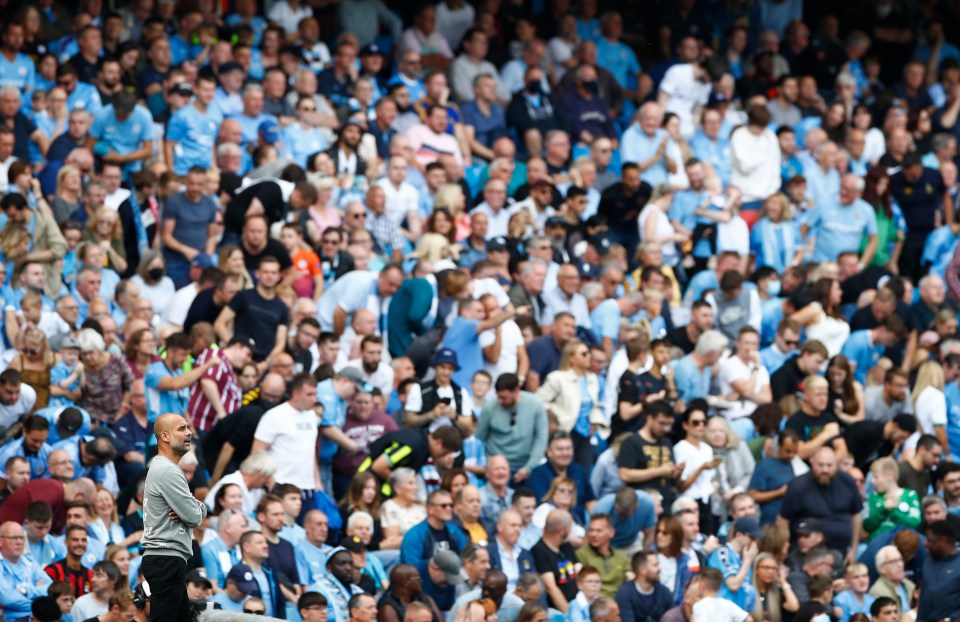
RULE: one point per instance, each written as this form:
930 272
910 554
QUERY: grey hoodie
166 488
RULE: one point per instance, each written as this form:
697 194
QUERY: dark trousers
912 254
168 589
583 452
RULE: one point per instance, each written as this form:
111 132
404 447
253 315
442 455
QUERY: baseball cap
246 341
541 183
69 342
749 526
293 50
445 356
370 50
242 575
353 544
449 563
198 575
202 260
230 65
270 130
182 88
601 243
807 527
69 421
498 243
353 375
354 123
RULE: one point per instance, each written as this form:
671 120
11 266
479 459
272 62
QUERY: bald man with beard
170 512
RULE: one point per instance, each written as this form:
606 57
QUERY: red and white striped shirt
202 414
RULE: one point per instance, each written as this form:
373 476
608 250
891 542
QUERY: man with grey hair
892 581
693 372
526 292
221 553
840 226
933 296
251 477
253 114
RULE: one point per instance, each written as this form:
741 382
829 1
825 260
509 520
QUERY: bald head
273 384
173 436
82 488
401 575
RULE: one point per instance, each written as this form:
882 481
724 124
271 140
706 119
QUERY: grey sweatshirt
166 488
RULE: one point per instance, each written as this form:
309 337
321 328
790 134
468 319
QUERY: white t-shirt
686 92
931 409
400 200
510 341
176 311
292 436
692 457
713 609
733 369
86 607
382 378
24 404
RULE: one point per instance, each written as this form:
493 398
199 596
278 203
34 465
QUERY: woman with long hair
363 495
230 261
834 122
846 393
228 497
572 395
562 495
454 480
141 351
121 557
34 363
775 239
891 227
774 593
69 196
776 542
452 198
403 510
930 403
674 563
439 240
532 611
104 230
105 525
823 318
736 466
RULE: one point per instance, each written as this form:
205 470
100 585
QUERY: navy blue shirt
544 356
832 504
918 200
131 436
259 318
770 474
337 92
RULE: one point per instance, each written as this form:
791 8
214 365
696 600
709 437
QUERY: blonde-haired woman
230 261
736 468
104 230
775 239
451 197
774 593
572 395
930 404
34 364
69 196
562 495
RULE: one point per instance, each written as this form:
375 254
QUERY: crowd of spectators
484 310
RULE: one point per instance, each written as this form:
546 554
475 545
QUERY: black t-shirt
787 379
679 339
259 318
807 426
562 564
868 278
238 429
622 210
628 390
283 562
404 448
832 504
866 443
273 249
638 453
270 194
202 309
918 200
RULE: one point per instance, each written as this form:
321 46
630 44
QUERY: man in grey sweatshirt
170 512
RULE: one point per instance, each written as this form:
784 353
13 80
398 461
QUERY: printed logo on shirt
567 571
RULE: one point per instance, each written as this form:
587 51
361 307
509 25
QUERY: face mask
773 288
534 87
592 86
155 274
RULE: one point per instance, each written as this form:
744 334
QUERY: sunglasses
256 613
698 422
443 505
791 342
